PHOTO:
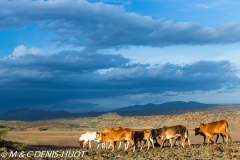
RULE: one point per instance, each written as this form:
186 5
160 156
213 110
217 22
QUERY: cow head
156 132
98 135
197 131
81 142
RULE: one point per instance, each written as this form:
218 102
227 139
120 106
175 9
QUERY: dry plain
62 135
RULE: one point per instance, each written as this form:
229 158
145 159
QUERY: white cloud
22 50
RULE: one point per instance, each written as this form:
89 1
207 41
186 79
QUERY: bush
20 146
3 133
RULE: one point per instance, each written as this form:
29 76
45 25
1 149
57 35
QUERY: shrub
20 146
3 133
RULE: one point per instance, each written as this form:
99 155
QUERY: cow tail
186 133
230 138
227 128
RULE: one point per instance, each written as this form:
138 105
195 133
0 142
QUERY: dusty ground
62 135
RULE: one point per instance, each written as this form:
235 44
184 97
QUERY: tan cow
106 130
144 135
197 132
113 135
218 127
175 132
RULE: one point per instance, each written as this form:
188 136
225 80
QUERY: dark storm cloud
68 61
41 80
98 25
202 75
69 77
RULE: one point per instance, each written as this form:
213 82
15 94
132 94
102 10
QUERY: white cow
88 137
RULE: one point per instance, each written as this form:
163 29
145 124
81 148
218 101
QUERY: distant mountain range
164 106
177 107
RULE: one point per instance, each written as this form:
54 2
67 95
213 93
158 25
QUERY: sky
90 55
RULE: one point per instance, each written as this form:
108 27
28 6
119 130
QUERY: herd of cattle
166 134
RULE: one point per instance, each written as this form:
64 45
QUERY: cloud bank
89 25
38 79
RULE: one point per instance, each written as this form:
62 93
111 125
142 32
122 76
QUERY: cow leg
217 138
204 140
157 144
103 145
126 145
177 141
133 144
84 143
208 140
163 140
170 141
227 135
148 143
119 145
134 147
167 143
98 145
110 144
189 143
151 140
222 137
144 143
89 144
212 137
183 141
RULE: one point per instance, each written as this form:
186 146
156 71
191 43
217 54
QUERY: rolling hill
177 107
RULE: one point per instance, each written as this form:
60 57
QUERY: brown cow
157 133
218 127
197 132
144 135
114 135
106 130
175 132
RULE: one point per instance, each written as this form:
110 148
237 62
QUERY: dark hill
26 114
164 106
177 107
